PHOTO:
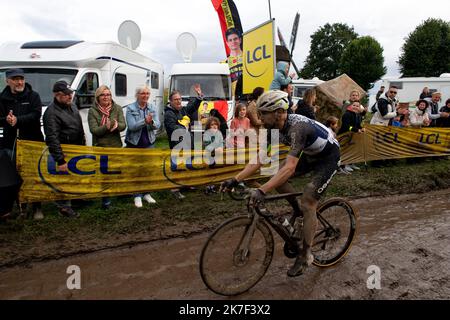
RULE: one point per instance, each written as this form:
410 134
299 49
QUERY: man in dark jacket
178 118
175 115
20 117
63 125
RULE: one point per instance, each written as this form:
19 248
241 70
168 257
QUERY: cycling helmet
273 100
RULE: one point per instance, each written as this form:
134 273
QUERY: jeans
152 146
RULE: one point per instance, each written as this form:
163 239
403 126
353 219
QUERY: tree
327 45
363 61
425 52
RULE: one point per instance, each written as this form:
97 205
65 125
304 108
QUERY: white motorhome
214 79
301 85
409 89
85 66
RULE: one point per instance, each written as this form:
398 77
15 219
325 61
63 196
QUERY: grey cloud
48 28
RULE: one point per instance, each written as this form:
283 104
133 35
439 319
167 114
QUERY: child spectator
238 126
332 124
213 144
281 76
419 116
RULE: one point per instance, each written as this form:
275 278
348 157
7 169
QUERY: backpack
374 107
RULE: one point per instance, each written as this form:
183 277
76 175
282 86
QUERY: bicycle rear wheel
224 268
336 230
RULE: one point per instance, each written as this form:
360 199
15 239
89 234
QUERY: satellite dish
186 45
129 34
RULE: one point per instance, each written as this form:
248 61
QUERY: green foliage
363 60
425 52
327 45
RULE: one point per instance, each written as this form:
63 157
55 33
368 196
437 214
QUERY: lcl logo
72 165
252 59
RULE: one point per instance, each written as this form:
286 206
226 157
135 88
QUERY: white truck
409 89
85 66
214 79
301 85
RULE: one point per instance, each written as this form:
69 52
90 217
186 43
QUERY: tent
332 94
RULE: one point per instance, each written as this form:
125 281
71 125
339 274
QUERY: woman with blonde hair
142 121
106 121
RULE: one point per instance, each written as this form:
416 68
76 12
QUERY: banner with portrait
231 27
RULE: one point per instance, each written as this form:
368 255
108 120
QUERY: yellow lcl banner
95 172
259 57
380 142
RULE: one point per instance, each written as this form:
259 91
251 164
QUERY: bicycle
238 253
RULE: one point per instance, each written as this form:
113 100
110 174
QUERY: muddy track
406 236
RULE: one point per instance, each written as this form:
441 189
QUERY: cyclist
318 150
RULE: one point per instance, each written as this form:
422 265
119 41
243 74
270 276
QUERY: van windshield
42 80
214 86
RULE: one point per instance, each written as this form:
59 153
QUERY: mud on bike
239 252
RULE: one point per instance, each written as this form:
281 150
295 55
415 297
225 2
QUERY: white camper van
85 66
409 89
301 85
214 79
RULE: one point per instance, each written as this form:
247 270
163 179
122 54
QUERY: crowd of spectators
21 109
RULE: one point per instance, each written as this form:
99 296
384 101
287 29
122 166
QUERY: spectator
386 108
252 113
142 121
239 125
433 110
419 116
20 117
178 117
445 122
223 127
355 96
332 125
106 121
425 94
63 125
351 121
305 107
379 93
213 143
289 89
281 76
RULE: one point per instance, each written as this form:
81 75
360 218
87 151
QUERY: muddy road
407 237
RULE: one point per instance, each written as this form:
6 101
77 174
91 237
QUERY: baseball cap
62 86
14 73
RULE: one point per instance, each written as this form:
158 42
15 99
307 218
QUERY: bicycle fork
242 251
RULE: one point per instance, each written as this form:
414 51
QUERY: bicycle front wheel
226 267
336 230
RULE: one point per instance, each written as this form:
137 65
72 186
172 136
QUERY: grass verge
24 240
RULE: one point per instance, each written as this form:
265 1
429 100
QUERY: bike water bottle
285 223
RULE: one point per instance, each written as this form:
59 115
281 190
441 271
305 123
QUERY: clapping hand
148 118
108 124
11 119
115 125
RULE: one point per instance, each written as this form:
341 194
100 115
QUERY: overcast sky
161 21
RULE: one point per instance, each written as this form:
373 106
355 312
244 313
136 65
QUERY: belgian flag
228 18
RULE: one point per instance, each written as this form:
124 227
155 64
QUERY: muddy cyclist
312 149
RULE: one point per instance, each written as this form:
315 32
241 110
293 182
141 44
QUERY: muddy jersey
305 135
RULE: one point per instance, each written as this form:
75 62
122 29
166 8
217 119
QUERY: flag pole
270 11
